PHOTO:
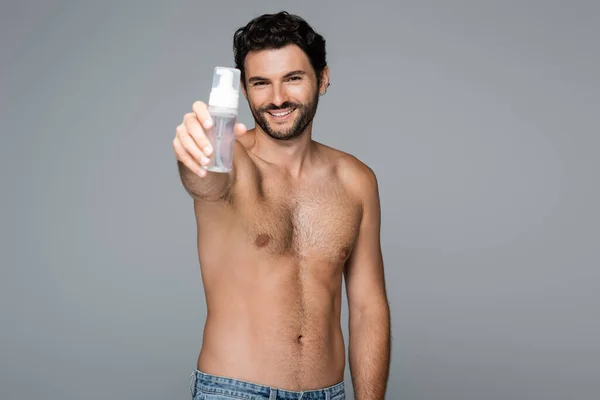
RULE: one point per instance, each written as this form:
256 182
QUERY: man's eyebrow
256 78
289 74
297 72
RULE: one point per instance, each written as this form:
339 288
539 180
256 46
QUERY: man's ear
325 83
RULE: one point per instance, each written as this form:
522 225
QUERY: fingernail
208 150
204 160
202 172
207 123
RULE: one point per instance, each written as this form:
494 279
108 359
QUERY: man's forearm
211 187
369 353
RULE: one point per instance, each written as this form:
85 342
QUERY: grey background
479 118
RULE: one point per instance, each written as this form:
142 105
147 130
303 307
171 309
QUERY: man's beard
306 115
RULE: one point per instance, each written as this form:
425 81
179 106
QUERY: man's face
281 87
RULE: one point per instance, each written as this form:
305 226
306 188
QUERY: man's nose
279 95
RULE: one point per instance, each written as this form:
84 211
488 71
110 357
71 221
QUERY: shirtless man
277 233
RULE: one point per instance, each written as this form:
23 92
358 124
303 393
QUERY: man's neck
293 156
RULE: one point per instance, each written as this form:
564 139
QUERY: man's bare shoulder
354 174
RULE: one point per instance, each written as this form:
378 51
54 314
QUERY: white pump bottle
223 109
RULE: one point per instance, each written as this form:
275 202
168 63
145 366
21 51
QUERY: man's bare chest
318 221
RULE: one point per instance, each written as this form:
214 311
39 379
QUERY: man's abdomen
280 331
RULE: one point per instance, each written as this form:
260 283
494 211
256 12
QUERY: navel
344 253
262 240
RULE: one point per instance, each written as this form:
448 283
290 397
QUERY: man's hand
192 147
193 151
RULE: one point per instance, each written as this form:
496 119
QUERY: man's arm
369 314
213 186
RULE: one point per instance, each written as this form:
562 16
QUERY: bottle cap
225 88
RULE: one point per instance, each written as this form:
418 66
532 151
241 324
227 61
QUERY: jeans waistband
213 384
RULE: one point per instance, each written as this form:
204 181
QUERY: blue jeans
210 387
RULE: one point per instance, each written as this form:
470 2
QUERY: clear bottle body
222 138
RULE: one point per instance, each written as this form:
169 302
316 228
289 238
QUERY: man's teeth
281 114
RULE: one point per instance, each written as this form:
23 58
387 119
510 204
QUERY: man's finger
201 111
240 129
186 159
197 133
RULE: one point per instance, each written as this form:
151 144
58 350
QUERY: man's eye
295 78
258 83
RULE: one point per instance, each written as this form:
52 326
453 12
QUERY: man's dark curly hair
274 31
